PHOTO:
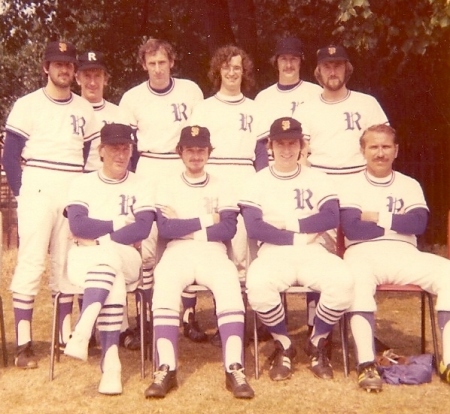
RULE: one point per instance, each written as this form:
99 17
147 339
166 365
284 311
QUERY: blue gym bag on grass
413 370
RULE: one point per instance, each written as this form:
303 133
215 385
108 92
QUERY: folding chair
252 249
2 316
54 348
425 297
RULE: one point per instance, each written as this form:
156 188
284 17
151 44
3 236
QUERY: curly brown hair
224 55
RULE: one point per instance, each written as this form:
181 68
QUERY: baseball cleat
77 347
444 372
25 358
192 330
369 378
163 381
236 382
320 364
111 383
130 339
280 362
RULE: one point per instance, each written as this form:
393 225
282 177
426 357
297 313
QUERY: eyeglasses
229 68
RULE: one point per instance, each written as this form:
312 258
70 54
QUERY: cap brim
333 59
59 58
87 66
117 141
286 135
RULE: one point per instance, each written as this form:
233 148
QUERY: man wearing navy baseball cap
50 126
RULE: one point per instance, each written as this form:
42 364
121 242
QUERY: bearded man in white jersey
47 130
158 109
382 211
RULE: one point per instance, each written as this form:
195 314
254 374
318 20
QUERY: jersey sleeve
126 106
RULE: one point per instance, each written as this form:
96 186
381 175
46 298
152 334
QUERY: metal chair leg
3 335
255 344
434 334
343 328
143 328
54 348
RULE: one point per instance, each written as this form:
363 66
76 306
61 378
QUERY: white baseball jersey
396 194
159 117
333 130
274 103
376 253
231 122
202 259
107 200
105 113
54 131
281 262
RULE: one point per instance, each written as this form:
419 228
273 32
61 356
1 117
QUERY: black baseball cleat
236 382
163 381
130 339
25 357
320 364
216 340
368 377
280 362
192 330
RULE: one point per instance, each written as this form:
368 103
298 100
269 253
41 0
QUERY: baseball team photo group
232 245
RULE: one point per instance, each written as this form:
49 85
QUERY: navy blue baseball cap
194 136
289 46
91 60
60 52
286 127
330 53
112 134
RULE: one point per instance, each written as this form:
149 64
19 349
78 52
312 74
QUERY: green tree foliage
400 50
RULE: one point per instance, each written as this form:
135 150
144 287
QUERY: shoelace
239 376
321 357
159 377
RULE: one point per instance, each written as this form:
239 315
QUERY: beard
61 81
334 84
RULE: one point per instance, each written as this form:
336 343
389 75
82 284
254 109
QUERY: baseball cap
91 60
286 127
60 52
116 134
289 46
194 136
330 53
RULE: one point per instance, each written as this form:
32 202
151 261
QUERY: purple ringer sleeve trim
412 222
226 229
356 229
327 218
176 228
81 225
258 229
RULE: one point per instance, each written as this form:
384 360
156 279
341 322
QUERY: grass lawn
201 376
